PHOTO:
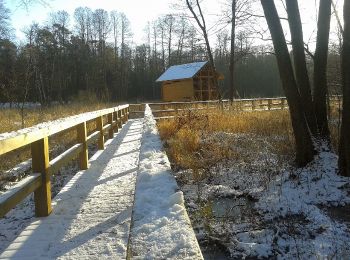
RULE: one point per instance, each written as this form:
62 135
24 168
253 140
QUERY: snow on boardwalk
92 213
161 228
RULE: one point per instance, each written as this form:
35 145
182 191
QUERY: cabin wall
177 90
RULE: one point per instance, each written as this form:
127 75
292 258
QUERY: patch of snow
161 227
303 192
19 105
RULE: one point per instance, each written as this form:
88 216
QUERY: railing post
83 156
115 117
101 139
120 123
127 114
283 103
110 121
40 164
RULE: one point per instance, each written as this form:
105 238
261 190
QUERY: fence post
40 164
253 104
269 103
115 117
101 139
110 121
83 156
284 103
124 115
120 123
126 118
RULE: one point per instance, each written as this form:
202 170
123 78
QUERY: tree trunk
203 27
344 146
304 146
302 77
320 68
233 91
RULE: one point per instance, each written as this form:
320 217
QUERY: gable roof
184 71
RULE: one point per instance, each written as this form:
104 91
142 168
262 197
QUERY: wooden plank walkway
92 213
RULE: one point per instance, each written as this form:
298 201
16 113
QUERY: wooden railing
42 167
166 110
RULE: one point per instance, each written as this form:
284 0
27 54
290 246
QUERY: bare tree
169 21
5 28
191 4
304 146
344 147
301 73
115 25
320 68
233 90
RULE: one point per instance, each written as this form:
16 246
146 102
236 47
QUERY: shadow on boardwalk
92 213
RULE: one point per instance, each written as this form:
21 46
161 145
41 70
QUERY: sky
139 12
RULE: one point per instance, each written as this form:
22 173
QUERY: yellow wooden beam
82 138
64 158
40 164
110 121
19 192
99 127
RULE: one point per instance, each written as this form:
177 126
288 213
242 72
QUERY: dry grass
192 140
11 119
252 131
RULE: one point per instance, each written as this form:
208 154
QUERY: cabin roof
183 71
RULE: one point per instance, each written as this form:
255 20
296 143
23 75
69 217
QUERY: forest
93 51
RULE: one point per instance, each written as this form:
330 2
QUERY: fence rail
168 110
42 168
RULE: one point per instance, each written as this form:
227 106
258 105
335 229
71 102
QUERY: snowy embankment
161 227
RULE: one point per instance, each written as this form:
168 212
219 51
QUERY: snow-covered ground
161 228
91 215
258 206
19 105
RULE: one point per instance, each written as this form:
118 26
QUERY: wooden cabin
192 81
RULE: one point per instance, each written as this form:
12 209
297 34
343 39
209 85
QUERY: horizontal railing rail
42 168
168 110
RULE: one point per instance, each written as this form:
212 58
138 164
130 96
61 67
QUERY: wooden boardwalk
92 214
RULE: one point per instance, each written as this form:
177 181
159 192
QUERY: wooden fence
42 167
168 110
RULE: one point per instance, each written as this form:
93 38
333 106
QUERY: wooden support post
120 123
127 114
40 164
269 104
283 103
110 121
99 127
253 105
122 113
115 117
83 156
